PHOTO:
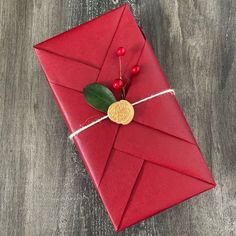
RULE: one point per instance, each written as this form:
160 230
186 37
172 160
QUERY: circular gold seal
121 112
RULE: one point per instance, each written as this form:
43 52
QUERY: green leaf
99 96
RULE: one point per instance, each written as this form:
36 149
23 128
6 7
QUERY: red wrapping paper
142 168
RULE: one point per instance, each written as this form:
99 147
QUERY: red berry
135 70
118 84
120 52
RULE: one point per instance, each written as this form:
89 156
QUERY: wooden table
44 188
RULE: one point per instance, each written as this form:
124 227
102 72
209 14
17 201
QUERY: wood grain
44 188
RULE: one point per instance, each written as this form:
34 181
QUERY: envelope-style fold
128 35
66 72
96 143
117 184
96 149
161 148
162 113
89 41
150 79
166 189
142 168
67 100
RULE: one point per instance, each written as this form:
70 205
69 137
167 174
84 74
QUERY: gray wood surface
44 188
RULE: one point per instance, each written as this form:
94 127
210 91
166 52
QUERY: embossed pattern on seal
121 112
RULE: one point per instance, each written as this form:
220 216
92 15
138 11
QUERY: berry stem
123 88
123 93
120 66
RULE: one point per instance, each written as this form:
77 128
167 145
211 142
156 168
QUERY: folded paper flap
73 104
59 59
129 36
70 58
73 42
150 79
94 148
117 184
118 190
162 149
166 189
162 113
97 149
66 72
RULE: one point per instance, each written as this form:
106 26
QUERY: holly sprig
99 96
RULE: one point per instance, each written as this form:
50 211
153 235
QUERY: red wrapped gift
141 168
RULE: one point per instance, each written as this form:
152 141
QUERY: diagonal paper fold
88 42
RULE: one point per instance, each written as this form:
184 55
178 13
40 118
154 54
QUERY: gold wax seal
121 112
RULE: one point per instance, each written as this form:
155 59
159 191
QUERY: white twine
133 104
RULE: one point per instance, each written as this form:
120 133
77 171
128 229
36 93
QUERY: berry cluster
119 84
